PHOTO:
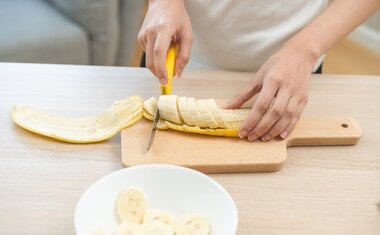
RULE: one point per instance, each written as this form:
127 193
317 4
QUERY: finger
259 108
272 115
149 59
184 51
280 126
293 123
141 38
243 96
161 48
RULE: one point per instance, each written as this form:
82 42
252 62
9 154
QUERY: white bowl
176 189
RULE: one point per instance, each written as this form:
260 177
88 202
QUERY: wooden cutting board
221 155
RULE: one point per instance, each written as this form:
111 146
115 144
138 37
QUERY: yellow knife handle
170 67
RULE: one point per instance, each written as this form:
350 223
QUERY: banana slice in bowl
157 215
192 224
131 205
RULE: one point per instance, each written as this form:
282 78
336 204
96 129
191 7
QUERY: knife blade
153 131
164 90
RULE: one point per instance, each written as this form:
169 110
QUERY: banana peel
120 115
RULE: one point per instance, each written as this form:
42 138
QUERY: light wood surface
320 190
211 154
349 57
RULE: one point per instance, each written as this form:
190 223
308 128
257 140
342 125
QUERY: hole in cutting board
344 125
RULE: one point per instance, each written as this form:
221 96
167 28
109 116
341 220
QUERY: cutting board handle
325 130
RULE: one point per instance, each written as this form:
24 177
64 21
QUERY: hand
165 21
282 85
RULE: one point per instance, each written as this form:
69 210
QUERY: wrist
167 5
305 48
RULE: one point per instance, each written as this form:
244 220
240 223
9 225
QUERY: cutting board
211 154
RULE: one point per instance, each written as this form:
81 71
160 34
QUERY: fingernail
252 138
284 134
242 134
162 81
265 138
179 72
226 105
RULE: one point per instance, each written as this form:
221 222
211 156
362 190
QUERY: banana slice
192 224
120 115
194 113
154 228
155 215
150 106
126 228
216 113
167 104
131 205
206 115
184 111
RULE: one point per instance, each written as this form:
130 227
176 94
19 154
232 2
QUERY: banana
131 205
154 228
126 228
201 116
192 224
202 113
167 105
155 215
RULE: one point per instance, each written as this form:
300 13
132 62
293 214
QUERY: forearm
339 19
165 1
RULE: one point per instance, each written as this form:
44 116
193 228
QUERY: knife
165 90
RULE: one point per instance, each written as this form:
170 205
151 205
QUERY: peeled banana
131 205
200 116
120 115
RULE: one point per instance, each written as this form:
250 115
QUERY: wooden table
320 190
